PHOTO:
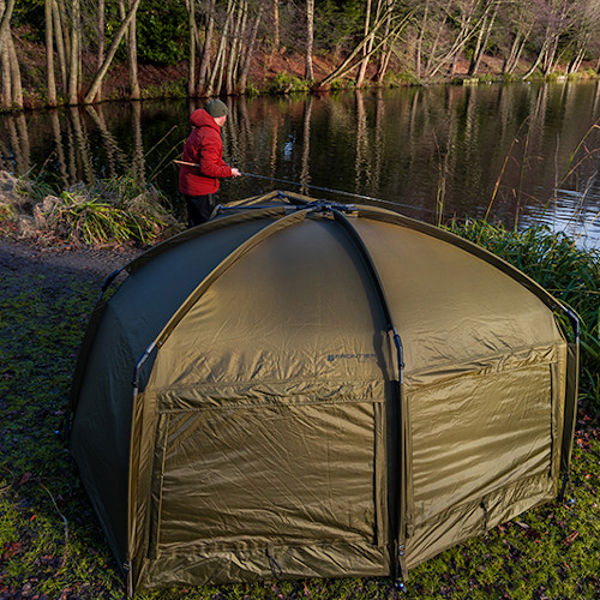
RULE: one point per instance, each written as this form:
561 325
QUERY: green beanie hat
216 108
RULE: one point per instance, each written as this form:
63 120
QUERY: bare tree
485 30
369 35
516 22
12 91
131 37
101 73
388 43
276 35
249 51
555 17
193 40
377 26
50 79
584 31
101 41
209 24
310 19
74 56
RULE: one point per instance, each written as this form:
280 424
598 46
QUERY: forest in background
73 52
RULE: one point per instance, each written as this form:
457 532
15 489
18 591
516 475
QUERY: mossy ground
52 547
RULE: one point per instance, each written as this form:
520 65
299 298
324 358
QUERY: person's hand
235 172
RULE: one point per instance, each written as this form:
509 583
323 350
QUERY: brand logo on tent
366 356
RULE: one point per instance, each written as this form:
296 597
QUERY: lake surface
521 153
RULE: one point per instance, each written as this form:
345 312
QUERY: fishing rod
319 188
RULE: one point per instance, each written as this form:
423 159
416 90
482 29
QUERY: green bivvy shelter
299 388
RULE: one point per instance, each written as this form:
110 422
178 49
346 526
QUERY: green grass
550 552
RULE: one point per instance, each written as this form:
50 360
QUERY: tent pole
400 507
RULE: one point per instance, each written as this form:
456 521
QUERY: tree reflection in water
440 149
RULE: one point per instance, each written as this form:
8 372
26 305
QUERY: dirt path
58 265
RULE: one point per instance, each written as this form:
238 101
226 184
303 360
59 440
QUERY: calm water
444 149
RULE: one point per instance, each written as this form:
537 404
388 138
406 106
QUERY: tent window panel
477 434
272 474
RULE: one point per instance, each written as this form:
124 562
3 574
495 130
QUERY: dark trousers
199 208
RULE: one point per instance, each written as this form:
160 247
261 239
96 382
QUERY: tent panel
271 318
449 306
149 297
101 428
459 523
477 434
280 562
282 475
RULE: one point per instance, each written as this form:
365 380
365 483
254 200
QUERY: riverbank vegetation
72 52
110 212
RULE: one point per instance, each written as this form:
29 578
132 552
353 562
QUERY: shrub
113 211
284 83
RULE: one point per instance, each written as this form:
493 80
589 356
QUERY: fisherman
205 148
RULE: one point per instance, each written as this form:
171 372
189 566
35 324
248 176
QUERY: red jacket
204 147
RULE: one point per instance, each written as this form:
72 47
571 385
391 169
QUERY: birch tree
310 19
50 78
131 39
73 91
209 24
489 17
12 91
101 41
101 73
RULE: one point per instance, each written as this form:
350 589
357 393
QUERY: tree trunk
133 65
60 47
15 73
6 87
7 10
482 42
235 45
537 61
66 33
5 92
245 66
347 64
276 41
360 78
510 60
74 58
386 50
50 79
419 44
205 62
310 19
101 73
216 78
101 42
191 4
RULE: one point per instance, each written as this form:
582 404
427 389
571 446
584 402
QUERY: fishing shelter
298 388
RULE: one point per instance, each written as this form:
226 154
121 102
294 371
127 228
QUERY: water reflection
443 151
